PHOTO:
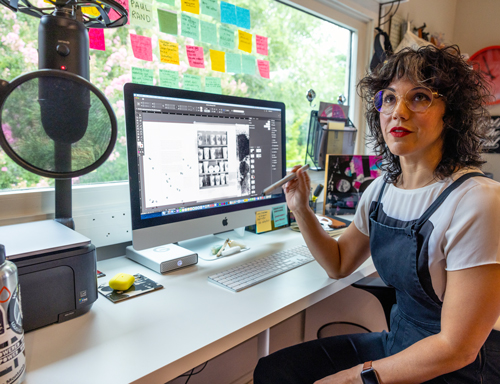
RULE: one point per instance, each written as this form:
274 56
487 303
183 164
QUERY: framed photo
346 178
492 142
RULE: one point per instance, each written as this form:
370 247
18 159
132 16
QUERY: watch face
487 60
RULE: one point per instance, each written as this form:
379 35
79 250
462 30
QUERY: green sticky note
212 85
168 2
280 216
190 27
167 21
208 32
233 62
142 76
210 8
248 64
226 37
141 13
192 83
169 79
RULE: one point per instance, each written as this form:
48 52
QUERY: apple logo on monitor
224 221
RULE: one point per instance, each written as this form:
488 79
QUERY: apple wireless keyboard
256 271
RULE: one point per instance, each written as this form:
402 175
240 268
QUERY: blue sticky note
227 13
243 17
280 216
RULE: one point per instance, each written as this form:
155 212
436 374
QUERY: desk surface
158 336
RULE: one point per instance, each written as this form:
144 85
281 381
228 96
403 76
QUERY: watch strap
368 374
367 365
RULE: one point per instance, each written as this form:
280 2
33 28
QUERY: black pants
307 362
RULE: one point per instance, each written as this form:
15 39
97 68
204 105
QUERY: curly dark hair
465 92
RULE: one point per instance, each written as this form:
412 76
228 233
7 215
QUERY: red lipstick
399 132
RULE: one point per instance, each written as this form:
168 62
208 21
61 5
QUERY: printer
56 269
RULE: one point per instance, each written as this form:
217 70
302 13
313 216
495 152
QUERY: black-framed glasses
417 99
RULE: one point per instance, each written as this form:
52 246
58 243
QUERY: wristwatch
368 374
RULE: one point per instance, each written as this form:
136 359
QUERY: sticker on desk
280 216
263 221
100 274
141 285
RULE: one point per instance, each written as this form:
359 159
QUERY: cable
340 322
192 373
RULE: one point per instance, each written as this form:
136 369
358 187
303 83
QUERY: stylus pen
284 180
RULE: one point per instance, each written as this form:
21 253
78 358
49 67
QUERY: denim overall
399 252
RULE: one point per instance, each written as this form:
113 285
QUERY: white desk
158 336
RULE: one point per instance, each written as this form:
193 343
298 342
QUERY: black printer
56 269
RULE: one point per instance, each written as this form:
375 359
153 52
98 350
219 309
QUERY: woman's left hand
349 376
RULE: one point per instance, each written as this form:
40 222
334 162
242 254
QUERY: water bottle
12 355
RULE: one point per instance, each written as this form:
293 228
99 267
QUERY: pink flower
4 169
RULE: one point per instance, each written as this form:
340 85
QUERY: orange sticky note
169 52
244 41
192 6
263 221
218 59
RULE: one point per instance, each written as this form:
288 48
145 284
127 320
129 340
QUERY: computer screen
198 162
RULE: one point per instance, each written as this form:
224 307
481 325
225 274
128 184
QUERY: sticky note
233 62
141 47
91 11
210 8
248 64
280 216
217 58
244 41
96 39
242 18
141 13
227 13
190 27
195 56
113 15
226 37
213 85
192 83
169 79
167 21
263 66
169 52
142 76
261 45
192 6
263 221
168 2
208 32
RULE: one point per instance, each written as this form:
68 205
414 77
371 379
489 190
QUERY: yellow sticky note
192 6
169 52
244 41
263 221
218 59
91 11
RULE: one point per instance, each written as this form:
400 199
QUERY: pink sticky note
96 39
142 47
195 56
261 43
263 68
113 15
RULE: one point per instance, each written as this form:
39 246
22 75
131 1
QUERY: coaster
141 285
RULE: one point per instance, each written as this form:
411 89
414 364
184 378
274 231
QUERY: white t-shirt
466 226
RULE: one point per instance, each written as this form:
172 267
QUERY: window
304 52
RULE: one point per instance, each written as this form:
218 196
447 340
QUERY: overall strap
380 196
442 197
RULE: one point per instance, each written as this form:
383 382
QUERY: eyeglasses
417 100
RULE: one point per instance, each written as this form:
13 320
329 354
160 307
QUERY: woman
431 224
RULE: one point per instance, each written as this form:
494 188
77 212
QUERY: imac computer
198 162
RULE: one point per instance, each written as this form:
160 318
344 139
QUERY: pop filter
56 124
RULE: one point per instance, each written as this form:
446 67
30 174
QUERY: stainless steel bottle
12 354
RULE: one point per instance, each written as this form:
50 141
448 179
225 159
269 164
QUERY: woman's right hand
297 191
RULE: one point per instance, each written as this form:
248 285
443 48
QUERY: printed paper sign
280 216
169 79
169 52
142 76
190 27
218 60
208 32
195 56
192 6
141 13
210 8
263 221
141 47
233 62
242 18
263 68
226 37
244 41
113 15
192 83
227 13
248 64
96 39
213 85
167 21
261 45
